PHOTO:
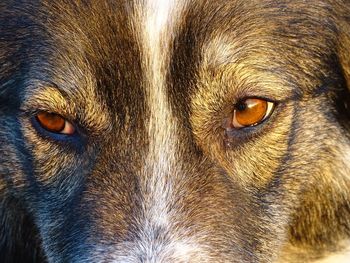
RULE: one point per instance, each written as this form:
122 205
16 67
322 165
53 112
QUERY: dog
174 131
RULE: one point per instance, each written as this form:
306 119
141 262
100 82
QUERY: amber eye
55 123
251 112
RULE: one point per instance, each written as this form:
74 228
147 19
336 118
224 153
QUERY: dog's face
195 131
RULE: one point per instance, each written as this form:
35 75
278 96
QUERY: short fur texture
152 175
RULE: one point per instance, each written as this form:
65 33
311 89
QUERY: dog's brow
52 99
236 63
244 80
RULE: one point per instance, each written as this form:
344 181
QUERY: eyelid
32 112
48 98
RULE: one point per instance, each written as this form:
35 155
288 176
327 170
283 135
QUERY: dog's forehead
116 42
132 52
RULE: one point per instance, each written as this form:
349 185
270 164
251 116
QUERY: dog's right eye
55 123
251 112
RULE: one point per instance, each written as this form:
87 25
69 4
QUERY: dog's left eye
251 112
55 123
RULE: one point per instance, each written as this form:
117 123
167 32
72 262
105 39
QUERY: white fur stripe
156 40
156 22
159 21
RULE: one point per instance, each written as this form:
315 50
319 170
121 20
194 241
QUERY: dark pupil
241 106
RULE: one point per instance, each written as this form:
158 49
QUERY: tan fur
153 173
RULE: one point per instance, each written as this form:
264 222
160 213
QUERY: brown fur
279 192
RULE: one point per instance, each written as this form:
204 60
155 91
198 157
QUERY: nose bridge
157 234
163 188
161 237
160 172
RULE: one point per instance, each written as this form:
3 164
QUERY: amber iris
51 121
249 112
